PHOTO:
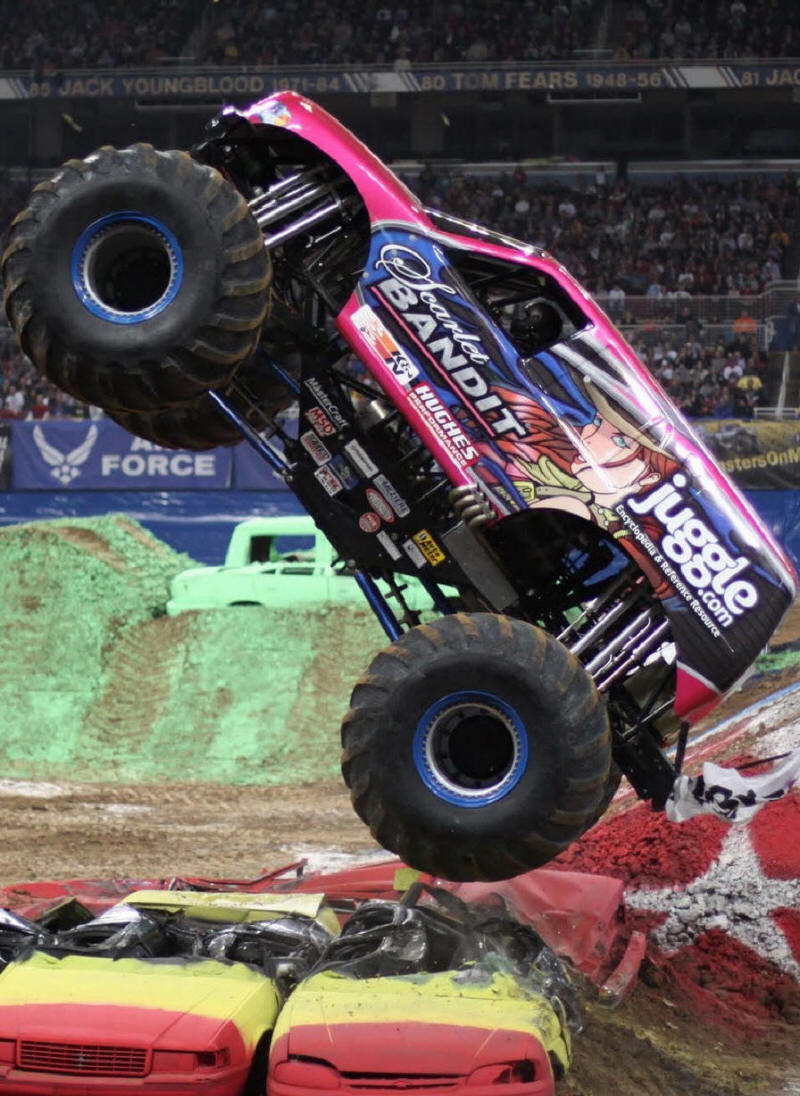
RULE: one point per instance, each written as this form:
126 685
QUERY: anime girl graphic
581 454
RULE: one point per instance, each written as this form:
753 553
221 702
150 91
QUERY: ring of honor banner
220 84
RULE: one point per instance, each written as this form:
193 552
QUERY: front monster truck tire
136 279
476 747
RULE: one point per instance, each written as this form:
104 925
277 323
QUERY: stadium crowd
49 35
708 29
419 31
416 31
684 237
26 394
706 377
111 33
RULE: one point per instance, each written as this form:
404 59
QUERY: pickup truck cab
279 562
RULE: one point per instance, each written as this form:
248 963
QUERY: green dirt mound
97 684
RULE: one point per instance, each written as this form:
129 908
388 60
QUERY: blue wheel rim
439 740
96 244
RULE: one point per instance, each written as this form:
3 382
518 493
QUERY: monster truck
469 416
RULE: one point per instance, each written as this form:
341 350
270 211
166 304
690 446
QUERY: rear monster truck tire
476 747
200 424
136 279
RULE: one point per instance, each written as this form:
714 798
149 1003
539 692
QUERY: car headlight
504 1073
311 1075
188 1061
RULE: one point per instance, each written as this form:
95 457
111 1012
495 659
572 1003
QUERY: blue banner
5 456
252 473
223 84
100 455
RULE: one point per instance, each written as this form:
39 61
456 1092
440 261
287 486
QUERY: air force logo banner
91 456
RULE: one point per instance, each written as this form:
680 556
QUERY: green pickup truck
279 562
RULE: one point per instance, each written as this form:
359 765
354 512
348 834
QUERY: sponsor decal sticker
385 345
413 553
690 554
369 522
274 114
344 472
320 421
413 295
315 447
361 459
447 430
429 548
324 400
396 500
380 505
389 544
329 480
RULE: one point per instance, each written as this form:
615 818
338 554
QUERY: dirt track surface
103 830
64 828
663 1041
51 827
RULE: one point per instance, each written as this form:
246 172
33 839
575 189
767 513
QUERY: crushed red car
177 985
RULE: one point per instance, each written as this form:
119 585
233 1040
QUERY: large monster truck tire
610 790
136 279
476 747
200 424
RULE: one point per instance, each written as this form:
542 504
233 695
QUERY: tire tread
203 359
586 750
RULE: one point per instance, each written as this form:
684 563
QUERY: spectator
14 402
616 299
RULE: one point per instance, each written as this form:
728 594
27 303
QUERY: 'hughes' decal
412 292
448 431
697 553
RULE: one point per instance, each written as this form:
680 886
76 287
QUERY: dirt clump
654 1045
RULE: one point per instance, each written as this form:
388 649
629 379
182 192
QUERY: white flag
730 794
